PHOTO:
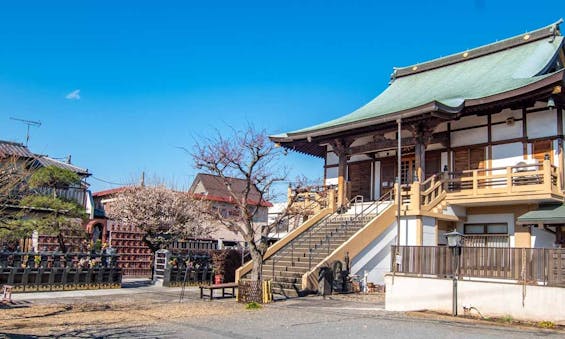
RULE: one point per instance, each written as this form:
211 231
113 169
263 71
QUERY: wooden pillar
422 135
420 161
341 149
341 172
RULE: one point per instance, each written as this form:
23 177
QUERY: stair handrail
387 197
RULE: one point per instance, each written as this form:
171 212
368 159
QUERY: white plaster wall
444 160
505 114
542 124
331 176
542 238
429 231
469 121
507 155
441 127
505 132
331 158
433 147
469 137
358 157
556 153
375 258
507 218
377 176
490 298
362 141
408 227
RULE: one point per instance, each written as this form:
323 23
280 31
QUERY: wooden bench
7 293
222 287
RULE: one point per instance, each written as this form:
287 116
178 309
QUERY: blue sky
156 75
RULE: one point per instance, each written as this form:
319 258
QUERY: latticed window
486 235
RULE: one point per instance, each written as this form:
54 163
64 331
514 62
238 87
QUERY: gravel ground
157 313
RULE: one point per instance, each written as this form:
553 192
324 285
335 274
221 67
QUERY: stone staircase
286 267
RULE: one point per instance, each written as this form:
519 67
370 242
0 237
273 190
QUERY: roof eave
556 78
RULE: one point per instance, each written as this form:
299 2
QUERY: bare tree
248 155
161 213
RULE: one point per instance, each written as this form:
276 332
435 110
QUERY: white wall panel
542 124
469 121
505 131
507 154
331 176
469 137
331 158
377 176
358 157
429 231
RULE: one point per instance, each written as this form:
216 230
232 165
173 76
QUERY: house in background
211 188
18 155
476 139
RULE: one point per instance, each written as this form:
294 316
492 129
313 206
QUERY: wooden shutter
360 179
540 148
477 158
433 163
469 159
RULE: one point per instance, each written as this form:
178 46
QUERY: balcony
507 185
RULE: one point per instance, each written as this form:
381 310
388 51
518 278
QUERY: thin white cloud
74 95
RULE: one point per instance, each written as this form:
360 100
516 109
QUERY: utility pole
28 123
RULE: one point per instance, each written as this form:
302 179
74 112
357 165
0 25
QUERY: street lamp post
454 241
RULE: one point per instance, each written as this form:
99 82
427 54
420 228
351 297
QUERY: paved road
312 317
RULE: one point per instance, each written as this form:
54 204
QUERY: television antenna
28 123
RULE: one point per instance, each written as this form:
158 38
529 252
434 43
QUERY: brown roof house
16 156
211 188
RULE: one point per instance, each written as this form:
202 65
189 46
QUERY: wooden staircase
286 267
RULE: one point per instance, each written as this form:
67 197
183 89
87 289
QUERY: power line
111 183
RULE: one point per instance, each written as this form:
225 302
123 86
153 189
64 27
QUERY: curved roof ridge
517 40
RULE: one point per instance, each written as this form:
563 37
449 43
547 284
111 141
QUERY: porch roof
544 214
450 84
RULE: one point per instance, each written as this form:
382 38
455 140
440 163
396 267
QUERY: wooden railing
313 198
524 265
432 191
543 177
530 181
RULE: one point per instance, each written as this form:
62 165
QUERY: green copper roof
547 214
446 84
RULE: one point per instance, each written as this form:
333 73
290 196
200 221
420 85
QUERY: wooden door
360 179
388 174
433 163
407 169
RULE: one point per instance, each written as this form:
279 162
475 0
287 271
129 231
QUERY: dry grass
54 318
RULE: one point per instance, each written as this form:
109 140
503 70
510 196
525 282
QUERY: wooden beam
442 137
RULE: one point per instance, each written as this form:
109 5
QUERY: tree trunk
61 240
257 270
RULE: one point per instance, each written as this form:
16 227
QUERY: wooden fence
525 265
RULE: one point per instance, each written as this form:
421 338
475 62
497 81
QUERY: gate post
160 266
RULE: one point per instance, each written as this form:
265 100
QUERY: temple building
472 142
